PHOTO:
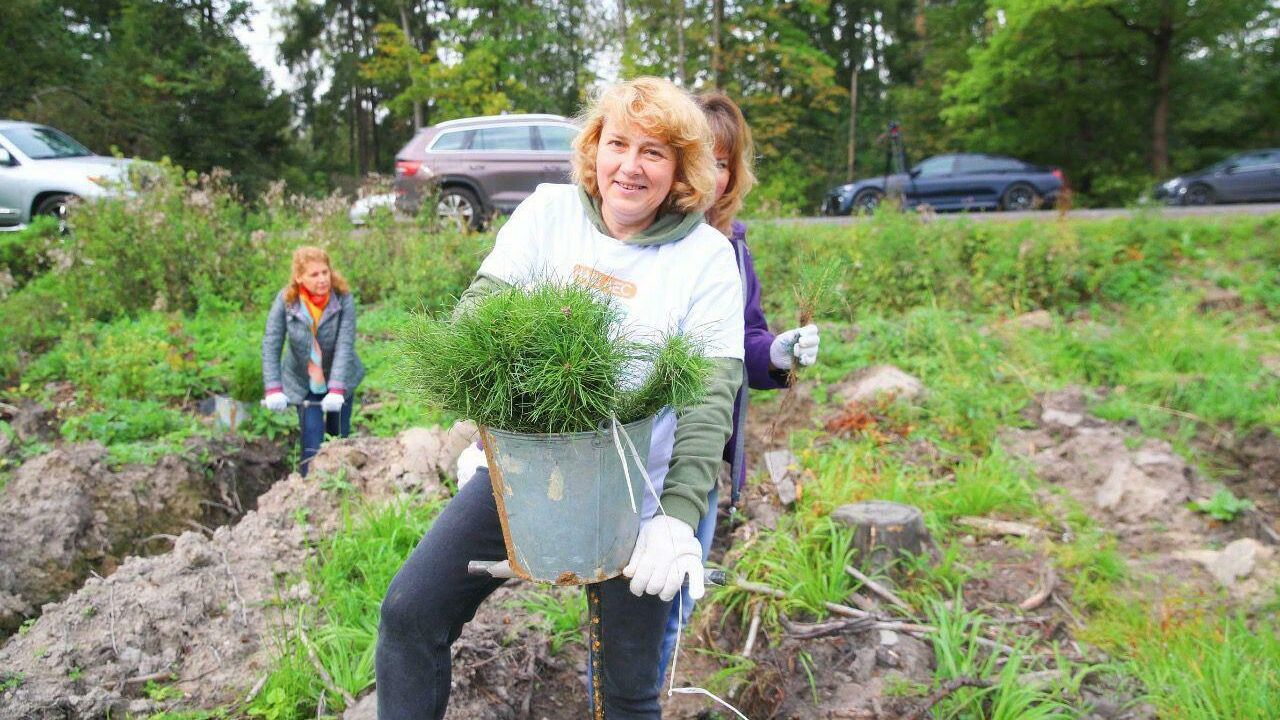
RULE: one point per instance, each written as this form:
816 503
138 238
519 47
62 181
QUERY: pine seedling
679 378
546 359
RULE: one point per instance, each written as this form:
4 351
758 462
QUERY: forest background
1118 93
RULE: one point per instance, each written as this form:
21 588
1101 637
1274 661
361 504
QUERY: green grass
1203 664
349 578
559 612
958 654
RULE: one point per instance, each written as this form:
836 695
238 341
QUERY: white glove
275 401
469 463
666 552
801 343
332 402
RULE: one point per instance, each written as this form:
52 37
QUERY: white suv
42 168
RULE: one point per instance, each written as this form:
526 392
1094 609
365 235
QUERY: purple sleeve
758 338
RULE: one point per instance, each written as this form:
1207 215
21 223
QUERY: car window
556 138
456 140
44 143
1251 160
935 166
507 137
983 164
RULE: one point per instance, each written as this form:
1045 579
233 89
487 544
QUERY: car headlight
1171 184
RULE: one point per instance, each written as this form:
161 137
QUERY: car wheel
458 207
1199 194
866 202
1020 196
54 206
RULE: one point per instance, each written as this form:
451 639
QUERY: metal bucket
563 501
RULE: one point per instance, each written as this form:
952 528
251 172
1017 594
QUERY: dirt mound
66 514
203 614
1137 487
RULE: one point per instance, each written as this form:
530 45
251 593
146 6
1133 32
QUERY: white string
675 652
626 472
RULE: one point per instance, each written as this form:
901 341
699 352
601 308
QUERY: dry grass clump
546 359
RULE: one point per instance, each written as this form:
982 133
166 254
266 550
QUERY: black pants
432 597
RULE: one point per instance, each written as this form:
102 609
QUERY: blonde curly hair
305 255
659 108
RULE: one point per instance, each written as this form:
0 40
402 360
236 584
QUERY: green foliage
1192 665
11 681
560 612
959 654
1224 505
349 579
551 358
24 255
182 85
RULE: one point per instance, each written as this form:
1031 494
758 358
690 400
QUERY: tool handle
502 569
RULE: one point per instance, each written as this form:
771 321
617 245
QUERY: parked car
42 169
1252 176
361 209
954 182
476 167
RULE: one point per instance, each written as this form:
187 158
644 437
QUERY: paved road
1090 214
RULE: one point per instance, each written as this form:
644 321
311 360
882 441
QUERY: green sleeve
701 433
482 285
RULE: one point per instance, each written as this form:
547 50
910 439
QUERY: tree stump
883 532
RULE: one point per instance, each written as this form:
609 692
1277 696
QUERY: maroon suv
476 167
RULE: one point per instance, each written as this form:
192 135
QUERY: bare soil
66 515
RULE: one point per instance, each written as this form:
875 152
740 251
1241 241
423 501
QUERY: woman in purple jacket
768 358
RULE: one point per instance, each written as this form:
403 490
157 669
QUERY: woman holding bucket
768 358
316 314
632 227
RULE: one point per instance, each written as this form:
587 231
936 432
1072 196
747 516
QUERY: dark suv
476 167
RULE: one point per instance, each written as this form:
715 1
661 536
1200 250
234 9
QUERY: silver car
42 168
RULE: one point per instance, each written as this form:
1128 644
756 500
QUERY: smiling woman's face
316 278
634 174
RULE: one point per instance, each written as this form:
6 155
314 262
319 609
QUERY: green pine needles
546 359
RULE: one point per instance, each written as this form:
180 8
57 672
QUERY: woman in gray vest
317 315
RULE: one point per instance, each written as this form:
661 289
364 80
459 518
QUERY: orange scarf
315 305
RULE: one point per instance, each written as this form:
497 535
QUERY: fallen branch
325 677
878 589
877 622
750 644
235 587
1048 579
257 688
941 694
989 526
808 631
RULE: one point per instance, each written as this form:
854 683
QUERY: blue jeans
432 597
315 424
706 532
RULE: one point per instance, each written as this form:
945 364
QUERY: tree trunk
717 19
853 115
883 532
408 38
1160 118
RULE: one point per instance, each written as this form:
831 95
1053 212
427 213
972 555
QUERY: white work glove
469 463
275 401
332 402
666 552
800 343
